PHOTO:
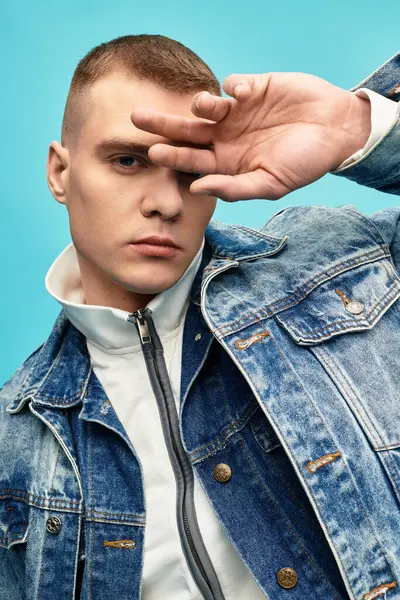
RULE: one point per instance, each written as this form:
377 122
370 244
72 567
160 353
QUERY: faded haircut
154 58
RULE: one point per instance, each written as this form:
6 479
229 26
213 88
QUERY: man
215 412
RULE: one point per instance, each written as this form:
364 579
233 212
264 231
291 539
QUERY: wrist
357 129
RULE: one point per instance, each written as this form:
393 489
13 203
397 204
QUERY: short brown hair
155 58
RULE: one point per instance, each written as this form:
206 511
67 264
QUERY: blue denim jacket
294 383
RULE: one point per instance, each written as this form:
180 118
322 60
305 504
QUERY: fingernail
237 90
198 99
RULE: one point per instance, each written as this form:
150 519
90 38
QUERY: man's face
116 197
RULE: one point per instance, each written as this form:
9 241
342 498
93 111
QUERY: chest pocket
13 536
13 523
351 323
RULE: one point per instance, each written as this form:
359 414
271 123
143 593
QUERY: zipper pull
142 326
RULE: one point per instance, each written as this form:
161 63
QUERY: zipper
193 547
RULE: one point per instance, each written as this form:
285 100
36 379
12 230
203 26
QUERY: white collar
108 327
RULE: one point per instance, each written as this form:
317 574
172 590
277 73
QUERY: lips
157 241
155 246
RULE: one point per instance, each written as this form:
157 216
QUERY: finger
173 126
208 106
246 186
243 87
190 160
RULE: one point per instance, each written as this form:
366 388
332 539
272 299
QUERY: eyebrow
123 145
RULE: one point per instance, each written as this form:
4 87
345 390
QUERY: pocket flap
13 522
353 300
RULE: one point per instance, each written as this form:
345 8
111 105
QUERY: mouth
156 246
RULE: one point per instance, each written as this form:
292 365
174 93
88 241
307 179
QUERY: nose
163 197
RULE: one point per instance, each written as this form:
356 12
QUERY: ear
57 170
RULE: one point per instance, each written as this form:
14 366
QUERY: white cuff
383 112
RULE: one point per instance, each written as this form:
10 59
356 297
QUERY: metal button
287 578
222 472
197 337
53 525
355 307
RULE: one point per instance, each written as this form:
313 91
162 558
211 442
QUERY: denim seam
21 389
55 466
118 522
331 361
77 540
381 304
122 518
45 504
285 303
55 361
258 233
66 399
41 572
394 446
254 233
373 227
393 470
91 562
213 447
251 312
350 475
287 522
335 369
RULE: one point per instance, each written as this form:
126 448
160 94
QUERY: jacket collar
60 374
59 378
230 245
238 242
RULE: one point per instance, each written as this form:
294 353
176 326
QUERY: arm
279 132
377 165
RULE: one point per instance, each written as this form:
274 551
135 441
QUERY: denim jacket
293 382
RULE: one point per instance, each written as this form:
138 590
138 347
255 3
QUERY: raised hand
276 133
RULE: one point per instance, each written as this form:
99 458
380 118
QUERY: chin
152 286
148 279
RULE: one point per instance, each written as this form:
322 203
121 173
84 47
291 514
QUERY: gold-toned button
222 472
355 307
287 578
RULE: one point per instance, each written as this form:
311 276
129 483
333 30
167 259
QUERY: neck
102 291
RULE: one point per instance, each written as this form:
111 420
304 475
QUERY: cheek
99 200
201 209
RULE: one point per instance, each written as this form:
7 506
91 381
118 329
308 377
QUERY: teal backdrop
41 44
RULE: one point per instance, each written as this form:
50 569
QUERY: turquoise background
41 44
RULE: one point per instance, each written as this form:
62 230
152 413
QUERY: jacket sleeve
387 221
379 168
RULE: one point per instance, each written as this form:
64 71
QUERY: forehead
112 99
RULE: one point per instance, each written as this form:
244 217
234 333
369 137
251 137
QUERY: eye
191 175
126 160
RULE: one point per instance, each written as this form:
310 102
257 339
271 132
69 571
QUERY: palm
283 131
